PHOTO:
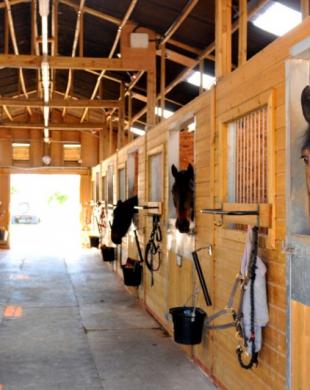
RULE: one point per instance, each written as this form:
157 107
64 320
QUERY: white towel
260 296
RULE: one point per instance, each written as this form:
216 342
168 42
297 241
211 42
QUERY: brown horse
305 149
183 197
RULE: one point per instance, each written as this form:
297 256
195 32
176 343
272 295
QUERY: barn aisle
67 323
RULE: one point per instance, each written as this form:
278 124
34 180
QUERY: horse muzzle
182 225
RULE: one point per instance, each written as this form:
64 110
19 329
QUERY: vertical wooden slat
130 134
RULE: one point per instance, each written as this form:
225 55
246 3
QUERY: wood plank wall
233 96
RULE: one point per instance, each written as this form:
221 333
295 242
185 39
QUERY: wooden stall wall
235 95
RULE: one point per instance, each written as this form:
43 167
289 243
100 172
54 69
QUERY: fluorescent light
44 7
20 144
207 80
137 131
167 113
44 35
72 146
276 18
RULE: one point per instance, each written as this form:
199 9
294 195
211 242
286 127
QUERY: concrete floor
66 322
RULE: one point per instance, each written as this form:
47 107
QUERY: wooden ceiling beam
305 8
112 51
73 103
14 2
62 62
243 33
53 126
15 47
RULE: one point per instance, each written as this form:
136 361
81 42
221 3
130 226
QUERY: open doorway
45 212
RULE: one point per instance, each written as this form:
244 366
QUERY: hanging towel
260 295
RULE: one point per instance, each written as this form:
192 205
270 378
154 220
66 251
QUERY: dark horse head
305 150
122 217
183 197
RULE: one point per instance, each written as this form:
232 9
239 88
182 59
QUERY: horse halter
152 247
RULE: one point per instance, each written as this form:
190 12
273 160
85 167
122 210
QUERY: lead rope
240 350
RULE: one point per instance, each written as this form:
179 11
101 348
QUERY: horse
305 149
122 217
183 197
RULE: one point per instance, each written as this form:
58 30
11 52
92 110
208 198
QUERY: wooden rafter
74 47
180 19
73 103
112 51
15 48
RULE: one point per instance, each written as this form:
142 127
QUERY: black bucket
132 272
108 253
188 324
94 241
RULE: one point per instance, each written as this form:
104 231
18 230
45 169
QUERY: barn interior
99 100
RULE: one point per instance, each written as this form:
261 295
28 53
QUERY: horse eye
306 159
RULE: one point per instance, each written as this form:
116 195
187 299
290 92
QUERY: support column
243 33
222 38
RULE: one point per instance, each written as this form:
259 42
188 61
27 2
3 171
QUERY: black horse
305 149
183 197
122 217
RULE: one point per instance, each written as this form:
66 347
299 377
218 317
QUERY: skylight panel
167 113
137 131
207 80
277 18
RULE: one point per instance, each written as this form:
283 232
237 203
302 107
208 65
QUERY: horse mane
305 105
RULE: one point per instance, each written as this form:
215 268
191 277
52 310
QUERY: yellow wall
261 80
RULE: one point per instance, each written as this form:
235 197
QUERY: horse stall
245 155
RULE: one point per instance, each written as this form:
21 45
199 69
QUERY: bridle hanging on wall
238 315
153 248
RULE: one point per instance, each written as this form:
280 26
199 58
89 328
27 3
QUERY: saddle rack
153 208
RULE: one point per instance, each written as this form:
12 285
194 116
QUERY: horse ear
305 103
190 170
174 170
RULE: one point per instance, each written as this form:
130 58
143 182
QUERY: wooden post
130 134
305 8
162 79
110 135
121 117
151 98
222 37
201 69
243 33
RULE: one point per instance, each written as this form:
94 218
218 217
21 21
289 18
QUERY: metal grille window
247 158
